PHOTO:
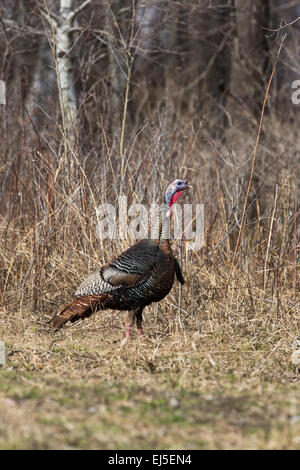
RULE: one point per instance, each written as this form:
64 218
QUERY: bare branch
24 28
72 15
281 27
48 14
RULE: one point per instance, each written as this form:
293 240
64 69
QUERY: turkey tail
80 308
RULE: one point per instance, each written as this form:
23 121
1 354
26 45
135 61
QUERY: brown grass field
218 384
224 379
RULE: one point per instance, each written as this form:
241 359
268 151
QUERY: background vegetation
155 90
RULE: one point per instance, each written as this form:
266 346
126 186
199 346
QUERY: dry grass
220 383
225 380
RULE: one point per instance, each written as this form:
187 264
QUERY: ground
207 385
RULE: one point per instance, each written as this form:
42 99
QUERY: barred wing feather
131 268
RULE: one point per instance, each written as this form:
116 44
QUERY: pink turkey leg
128 330
139 327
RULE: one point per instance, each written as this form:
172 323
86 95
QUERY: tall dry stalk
239 238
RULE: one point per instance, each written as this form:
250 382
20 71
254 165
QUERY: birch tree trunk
61 28
64 69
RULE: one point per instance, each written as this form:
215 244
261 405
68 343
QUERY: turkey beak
187 185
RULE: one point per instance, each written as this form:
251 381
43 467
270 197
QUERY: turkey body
139 276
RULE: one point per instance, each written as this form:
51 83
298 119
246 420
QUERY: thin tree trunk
64 69
62 43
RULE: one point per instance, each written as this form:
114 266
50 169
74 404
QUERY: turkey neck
161 228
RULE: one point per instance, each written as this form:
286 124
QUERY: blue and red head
173 191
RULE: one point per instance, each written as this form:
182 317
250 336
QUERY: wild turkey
139 276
